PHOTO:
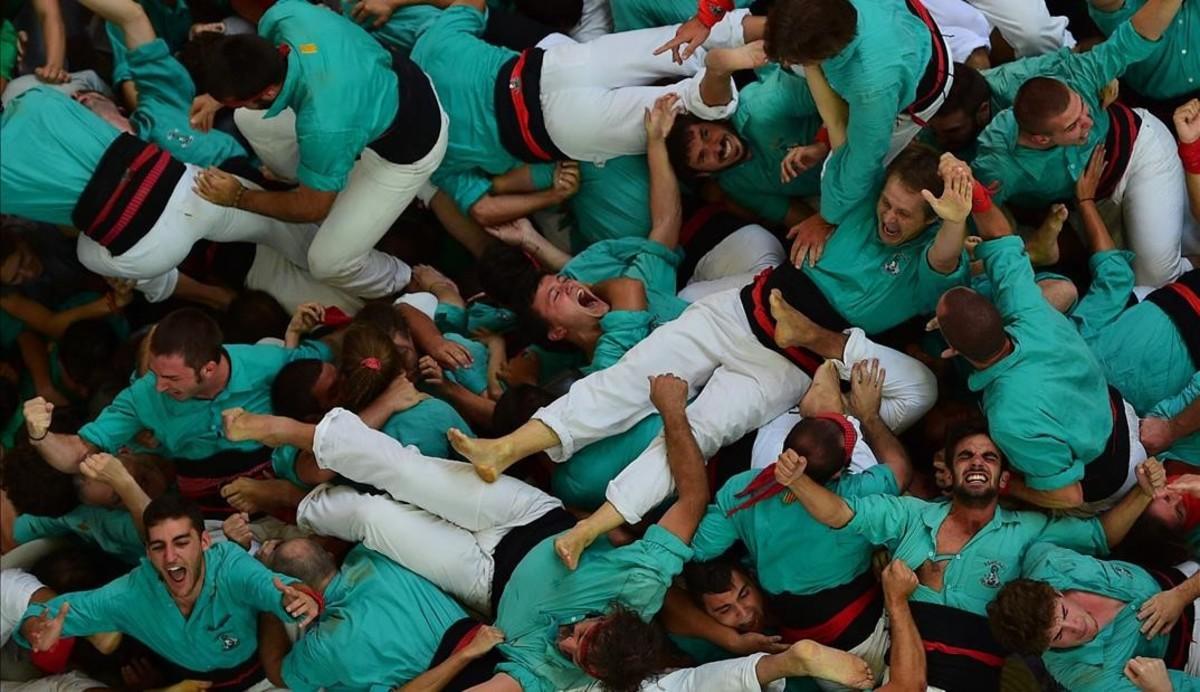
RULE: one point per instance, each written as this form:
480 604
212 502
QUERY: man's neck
971 518
586 339
1005 351
220 379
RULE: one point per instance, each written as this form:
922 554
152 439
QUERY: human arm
109 470
1160 612
835 114
521 233
54 36
304 320
1066 497
866 396
666 206
400 395
907 660
1154 17
497 359
52 324
63 452
436 678
953 207
429 339
1151 479
669 394
824 505
1149 674
716 86
1172 419
477 410
1095 232
301 204
496 207
36 358
1187 127
852 174
273 647
128 16
682 617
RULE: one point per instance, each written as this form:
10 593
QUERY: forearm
461 227
294 206
888 449
518 180
682 617
824 506
63 452
494 209
126 14
1154 17
946 251
545 252
666 207
908 653
716 87
1067 497
835 114
425 334
1095 232
134 499
208 295
1118 520
52 324
54 32
992 223
273 646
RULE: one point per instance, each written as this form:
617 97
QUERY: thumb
280 586
929 196
62 612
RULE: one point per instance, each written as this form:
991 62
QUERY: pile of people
540 345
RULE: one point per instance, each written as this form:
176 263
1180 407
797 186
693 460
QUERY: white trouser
768 443
1027 25
964 27
1193 660
734 262
291 285
873 650
73 681
1137 454
594 94
745 384
731 675
1154 205
452 521
907 125
187 218
273 139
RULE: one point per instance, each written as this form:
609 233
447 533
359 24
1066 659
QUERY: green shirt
474 376
463 68
192 429
402 30
775 532
8 49
621 330
51 147
1099 665
1187 448
340 83
221 632
543 595
613 200
1140 349
380 627
1046 403
1173 68
1041 176
171 24
773 115
908 528
646 260
582 480
111 530
424 426
165 93
877 286
877 75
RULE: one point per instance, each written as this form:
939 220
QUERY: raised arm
63 452
824 506
1154 17
907 661
953 207
109 470
128 16
666 207
669 395
54 35
521 233
866 396
834 111
1151 478
1095 232
716 87
1187 126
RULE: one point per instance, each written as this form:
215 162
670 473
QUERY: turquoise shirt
402 30
1186 449
221 632
165 93
111 530
773 115
424 426
192 429
777 530
613 200
380 627
51 147
876 286
628 15
171 24
474 376
582 480
543 595
1041 176
463 68
877 75
1173 68
283 465
908 527
1140 349
621 330
646 260
340 83
1046 403
1099 665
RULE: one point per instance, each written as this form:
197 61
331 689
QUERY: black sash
235 679
1104 475
478 671
1123 128
517 543
1181 302
418 121
935 81
801 293
960 651
841 616
200 480
518 103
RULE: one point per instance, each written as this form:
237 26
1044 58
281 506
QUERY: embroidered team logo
892 266
180 138
228 641
992 578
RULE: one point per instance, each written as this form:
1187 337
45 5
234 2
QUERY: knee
327 268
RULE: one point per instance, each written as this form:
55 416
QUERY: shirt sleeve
116 39
254 584
852 173
649 566
30 528
119 421
1172 406
1108 296
161 81
882 519
326 156
464 187
1046 462
715 534
1108 60
1081 535
1014 290
90 612
877 480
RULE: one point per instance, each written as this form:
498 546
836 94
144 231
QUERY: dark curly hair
627 650
1022 615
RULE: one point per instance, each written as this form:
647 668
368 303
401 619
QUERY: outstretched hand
691 35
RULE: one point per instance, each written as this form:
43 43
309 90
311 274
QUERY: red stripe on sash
807 360
522 109
981 656
832 628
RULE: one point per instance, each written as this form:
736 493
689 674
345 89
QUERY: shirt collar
291 85
980 379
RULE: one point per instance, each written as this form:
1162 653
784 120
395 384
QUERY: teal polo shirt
778 529
908 528
221 632
543 595
340 83
1040 176
1140 349
1099 665
380 628
192 429
110 530
876 286
51 147
620 330
401 31
613 200
877 75
582 480
1186 449
165 93
643 259
424 426
1047 402
171 22
463 68
773 115
1173 68
474 376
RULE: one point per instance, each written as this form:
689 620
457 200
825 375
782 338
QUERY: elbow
485 212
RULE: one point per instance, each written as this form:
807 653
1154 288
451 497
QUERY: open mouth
586 300
177 574
976 478
889 231
726 149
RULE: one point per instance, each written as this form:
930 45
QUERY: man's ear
556 333
1005 477
1040 140
983 116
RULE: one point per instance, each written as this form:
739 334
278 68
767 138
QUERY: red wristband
981 199
304 588
822 136
1190 155
710 12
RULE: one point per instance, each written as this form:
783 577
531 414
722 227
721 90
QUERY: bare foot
792 327
247 495
1042 244
570 545
810 659
825 393
241 425
489 457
